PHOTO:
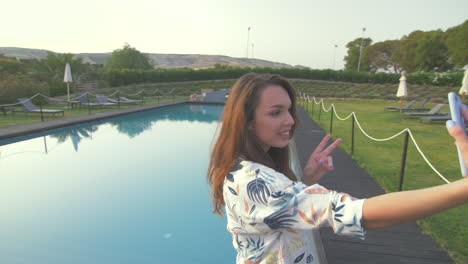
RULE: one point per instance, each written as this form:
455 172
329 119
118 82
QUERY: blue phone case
455 111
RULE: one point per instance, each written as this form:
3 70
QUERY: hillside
195 61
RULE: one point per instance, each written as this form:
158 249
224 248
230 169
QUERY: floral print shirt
270 216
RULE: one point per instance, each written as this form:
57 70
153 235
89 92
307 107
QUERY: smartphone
455 111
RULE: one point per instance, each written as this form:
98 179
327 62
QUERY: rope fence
305 101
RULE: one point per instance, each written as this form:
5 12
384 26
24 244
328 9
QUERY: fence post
118 98
331 119
89 103
313 105
40 107
403 161
320 110
352 136
305 103
300 98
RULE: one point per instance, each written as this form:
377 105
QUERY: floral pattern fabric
270 216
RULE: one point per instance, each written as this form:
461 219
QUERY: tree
456 40
52 68
352 59
9 65
422 51
432 53
380 56
128 58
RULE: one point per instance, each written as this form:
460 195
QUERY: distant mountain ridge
195 61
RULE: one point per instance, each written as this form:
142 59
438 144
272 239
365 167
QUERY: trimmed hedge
13 86
126 77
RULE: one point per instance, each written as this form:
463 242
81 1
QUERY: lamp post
248 36
252 55
360 49
334 55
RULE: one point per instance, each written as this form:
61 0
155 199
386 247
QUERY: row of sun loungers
433 114
29 107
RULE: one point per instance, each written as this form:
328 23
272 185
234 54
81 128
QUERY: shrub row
13 86
125 77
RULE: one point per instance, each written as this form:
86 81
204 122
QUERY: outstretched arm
400 207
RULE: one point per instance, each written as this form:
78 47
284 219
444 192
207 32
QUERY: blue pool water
129 190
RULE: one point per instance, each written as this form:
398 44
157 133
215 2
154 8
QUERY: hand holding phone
455 112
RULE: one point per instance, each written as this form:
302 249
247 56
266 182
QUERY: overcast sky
296 32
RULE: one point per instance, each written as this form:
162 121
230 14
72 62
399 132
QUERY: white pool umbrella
402 88
464 87
68 79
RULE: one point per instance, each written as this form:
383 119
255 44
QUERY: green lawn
383 159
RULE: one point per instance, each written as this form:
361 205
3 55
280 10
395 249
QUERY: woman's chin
281 145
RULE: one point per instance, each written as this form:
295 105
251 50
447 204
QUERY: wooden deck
400 244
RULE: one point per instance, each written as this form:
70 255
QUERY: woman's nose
289 120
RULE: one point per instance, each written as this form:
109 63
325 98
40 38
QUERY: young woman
269 212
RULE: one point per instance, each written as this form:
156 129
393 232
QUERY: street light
248 36
252 51
360 49
334 55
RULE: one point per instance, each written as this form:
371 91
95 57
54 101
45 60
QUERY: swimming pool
128 190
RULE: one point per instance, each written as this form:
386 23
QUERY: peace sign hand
320 162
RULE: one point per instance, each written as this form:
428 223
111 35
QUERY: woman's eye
275 113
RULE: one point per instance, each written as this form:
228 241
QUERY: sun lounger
439 118
130 100
436 118
419 108
123 100
83 99
398 108
29 107
103 100
433 112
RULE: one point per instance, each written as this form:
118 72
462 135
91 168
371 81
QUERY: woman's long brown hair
236 140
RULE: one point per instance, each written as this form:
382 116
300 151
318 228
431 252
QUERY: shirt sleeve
285 204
